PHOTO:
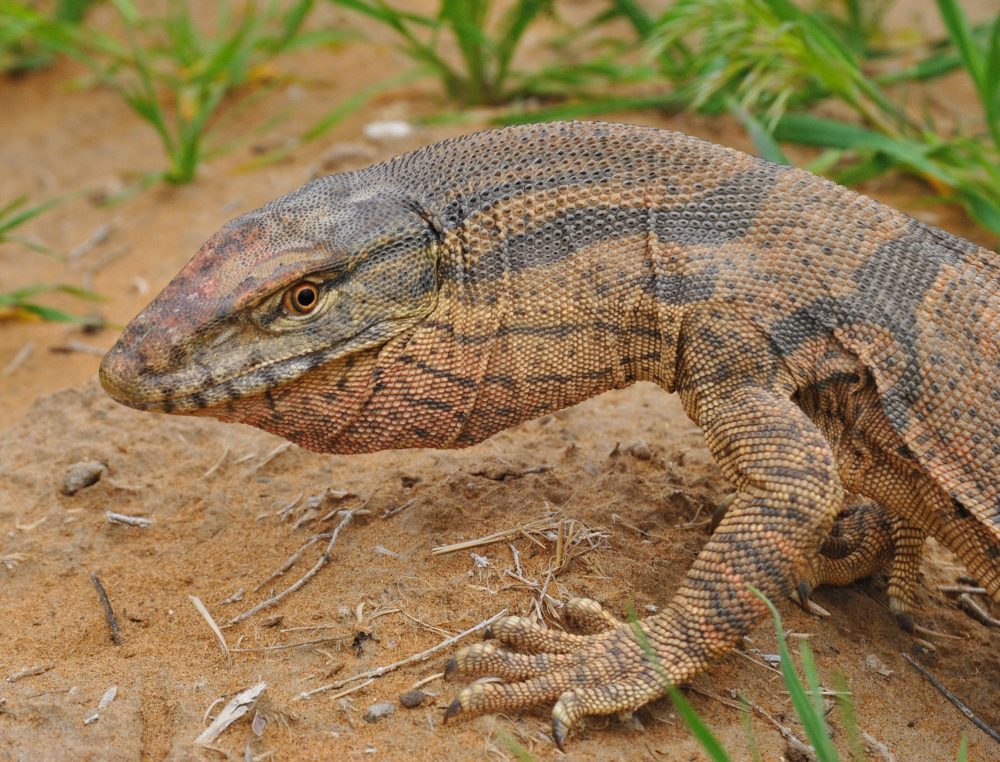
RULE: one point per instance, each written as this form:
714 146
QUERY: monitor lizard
822 341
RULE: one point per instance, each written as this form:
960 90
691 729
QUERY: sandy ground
230 505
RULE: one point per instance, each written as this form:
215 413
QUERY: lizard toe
585 616
490 659
526 636
623 695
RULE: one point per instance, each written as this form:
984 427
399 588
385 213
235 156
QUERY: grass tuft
23 44
485 44
176 75
21 304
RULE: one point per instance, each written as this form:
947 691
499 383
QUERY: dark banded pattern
822 341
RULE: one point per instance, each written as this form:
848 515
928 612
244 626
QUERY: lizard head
327 273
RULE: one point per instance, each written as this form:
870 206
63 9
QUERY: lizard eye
302 298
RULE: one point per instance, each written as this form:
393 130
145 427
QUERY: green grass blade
291 25
832 133
812 678
961 35
127 10
812 721
991 84
641 21
514 747
52 314
79 293
597 106
10 220
518 20
985 212
846 707
356 101
747 721
981 64
465 19
27 292
71 11
705 738
29 243
767 147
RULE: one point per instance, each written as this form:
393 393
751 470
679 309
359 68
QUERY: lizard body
823 341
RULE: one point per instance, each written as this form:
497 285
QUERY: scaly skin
821 340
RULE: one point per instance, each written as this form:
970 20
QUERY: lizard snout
144 368
121 376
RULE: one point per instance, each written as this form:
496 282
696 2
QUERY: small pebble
82 475
875 664
379 711
413 699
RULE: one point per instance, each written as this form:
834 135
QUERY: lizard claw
450 670
455 707
803 597
905 621
559 732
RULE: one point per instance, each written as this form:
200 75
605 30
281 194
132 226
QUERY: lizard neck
531 337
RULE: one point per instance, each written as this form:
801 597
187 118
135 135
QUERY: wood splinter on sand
109 613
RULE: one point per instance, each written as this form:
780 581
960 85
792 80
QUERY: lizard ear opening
429 217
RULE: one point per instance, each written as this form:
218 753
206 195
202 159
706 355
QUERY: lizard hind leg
788 495
860 543
865 539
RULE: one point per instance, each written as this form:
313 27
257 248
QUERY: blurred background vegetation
825 74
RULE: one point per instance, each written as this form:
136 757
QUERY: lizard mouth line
197 391
193 389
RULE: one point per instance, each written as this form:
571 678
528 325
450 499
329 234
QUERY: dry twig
972 716
791 739
77 346
977 612
106 699
18 360
99 236
270 456
217 465
122 518
549 521
215 628
36 669
388 514
878 747
352 689
239 706
956 589
323 561
293 559
422 656
109 614
298 644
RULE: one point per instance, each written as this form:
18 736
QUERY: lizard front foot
600 668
